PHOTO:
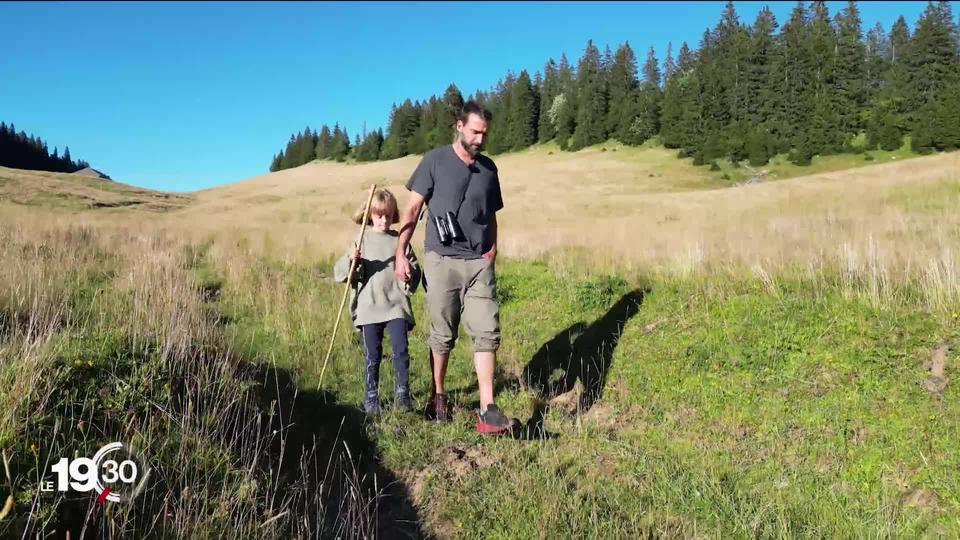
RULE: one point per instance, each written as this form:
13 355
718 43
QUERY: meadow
688 355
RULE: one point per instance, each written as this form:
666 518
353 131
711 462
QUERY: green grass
780 168
729 410
729 407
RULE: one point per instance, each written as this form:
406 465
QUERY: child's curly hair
383 203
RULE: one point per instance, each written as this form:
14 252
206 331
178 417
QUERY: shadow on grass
581 353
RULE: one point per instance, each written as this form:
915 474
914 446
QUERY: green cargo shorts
461 289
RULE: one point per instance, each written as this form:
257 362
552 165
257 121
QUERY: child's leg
373 343
397 329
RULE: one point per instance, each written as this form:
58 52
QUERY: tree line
815 85
22 151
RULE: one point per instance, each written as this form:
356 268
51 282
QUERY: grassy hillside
77 192
687 359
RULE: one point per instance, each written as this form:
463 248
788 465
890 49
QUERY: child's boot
371 403
401 399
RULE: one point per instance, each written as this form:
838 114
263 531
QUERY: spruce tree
931 60
641 119
324 143
849 70
760 78
794 67
591 100
825 133
546 129
524 108
447 121
877 61
306 151
622 83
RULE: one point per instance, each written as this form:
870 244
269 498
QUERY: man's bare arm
493 235
408 224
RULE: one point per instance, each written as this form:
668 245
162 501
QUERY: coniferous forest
22 151
817 83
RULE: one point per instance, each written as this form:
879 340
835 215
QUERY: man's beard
473 151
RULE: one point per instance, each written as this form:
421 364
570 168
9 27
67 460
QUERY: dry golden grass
633 206
637 206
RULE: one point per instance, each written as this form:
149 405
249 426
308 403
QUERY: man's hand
408 223
401 267
492 254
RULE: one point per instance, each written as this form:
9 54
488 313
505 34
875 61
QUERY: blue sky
185 96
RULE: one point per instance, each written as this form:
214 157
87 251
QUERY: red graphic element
103 495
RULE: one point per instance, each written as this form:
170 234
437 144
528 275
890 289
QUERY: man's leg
481 319
439 370
485 363
444 303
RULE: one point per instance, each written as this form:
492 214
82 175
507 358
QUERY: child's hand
355 255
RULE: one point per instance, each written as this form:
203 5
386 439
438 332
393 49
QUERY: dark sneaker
402 401
492 421
437 409
371 406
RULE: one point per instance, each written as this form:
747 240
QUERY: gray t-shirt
442 178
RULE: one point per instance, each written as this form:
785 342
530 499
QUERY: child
378 301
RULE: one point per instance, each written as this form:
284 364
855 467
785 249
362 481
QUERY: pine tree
524 108
546 129
877 61
447 121
306 151
825 134
714 110
688 130
760 78
324 143
932 57
947 129
404 121
849 70
668 64
622 83
794 92
288 159
732 63
591 100
340 144
641 119
498 104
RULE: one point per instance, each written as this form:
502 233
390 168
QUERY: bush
801 156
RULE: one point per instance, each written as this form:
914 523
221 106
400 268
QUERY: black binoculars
447 228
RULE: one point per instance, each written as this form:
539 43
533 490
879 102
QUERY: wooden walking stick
346 290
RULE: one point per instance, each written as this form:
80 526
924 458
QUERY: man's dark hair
472 107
